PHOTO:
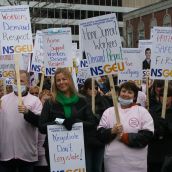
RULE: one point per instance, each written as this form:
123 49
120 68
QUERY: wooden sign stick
52 81
114 98
4 87
16 60
164 99
147 92
42 82
93 95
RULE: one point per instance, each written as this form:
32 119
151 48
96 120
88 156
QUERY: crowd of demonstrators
121 146
126 142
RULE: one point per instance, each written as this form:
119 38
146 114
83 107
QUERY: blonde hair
65 71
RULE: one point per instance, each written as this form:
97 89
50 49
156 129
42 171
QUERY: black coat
81 112
161 144
145 65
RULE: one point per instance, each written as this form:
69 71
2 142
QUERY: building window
90 14
64 14
51 13
108 2
96 13
96 2
117 3
71 14
167 20
119 16
44 12
77 14
130 36
64 1
90 2
153 22
102 2
83 14
76 30
102 13
57 13
141 30
83 1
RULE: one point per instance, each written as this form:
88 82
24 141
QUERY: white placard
133 65
101 43
161 64
7 65
37 64
66 148
58 50
15 30
146 47
83 72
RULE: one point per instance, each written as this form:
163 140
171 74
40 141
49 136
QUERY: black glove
68 122
160 127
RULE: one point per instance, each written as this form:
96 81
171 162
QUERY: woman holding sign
126 143
66 107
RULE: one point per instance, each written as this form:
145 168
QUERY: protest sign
58 49
37 64
7 64
66 148
145 57
101 44
83 72
15 30
161 55
15 35
133 65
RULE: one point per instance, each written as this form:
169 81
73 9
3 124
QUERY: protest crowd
95 113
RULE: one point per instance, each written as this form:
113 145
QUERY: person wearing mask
126 142
18 129
159 150
66 104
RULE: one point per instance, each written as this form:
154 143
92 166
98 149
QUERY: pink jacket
118 156
18 138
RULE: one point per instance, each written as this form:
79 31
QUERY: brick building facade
138 23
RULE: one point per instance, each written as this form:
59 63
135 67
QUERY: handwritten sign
83 72
37 64
133 64
15 30
161 64
66 148
58 50
101 43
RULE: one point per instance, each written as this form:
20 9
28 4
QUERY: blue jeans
94 159
16 165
